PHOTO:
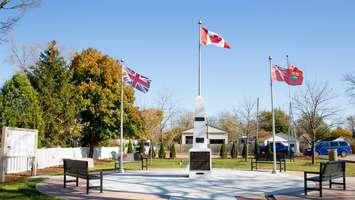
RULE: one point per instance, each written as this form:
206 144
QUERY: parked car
323 148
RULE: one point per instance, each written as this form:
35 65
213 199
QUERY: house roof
282 137
210 130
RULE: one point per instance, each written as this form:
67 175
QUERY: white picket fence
49 157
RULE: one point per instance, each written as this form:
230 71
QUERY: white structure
200 163
285 140
20 144
214 136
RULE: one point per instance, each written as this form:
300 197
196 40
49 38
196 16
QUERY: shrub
152 153
172 151
256 148
245 151
223 151
234 151
130 147
141 147
161 151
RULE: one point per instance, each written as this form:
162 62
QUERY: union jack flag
136 80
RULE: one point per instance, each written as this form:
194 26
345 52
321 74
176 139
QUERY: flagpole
289 109
257 121
121 170
199 58
273 118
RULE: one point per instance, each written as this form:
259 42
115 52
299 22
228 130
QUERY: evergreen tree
152 153
130 147
141 147
234 151
245 152
19 105
172 151
51 78
161 151
256 148
223 151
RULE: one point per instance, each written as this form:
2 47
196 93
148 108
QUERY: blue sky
160 40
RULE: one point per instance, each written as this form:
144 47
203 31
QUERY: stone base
200 162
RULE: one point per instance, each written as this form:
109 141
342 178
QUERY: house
285 140
214 136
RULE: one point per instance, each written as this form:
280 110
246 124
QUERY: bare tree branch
22 56
350 80
11 11
314 105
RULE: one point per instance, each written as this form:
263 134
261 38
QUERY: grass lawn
298 165
23 190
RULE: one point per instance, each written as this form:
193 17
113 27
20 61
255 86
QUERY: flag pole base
274 171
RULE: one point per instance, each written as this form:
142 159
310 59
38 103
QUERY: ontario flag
291 75
136 80
209 37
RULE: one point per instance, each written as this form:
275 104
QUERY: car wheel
343 154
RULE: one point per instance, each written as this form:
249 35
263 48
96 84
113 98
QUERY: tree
13 10
351 122
98 79
314 105
172 151
281 121
350 80
152 118
22 56
51 78
141 147
229 123
245 151
130 147
247 116
339 132
256 148
234 151
223 151
152 153
19 105
169 107
161 151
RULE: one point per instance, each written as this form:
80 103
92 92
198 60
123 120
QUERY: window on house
216 141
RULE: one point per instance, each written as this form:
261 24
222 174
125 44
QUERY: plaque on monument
199 160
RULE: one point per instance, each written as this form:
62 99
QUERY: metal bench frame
280 161
80 169
328 171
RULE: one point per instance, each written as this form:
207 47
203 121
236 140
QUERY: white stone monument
200 163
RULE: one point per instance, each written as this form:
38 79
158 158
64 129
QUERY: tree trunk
246 150
313 147
93 143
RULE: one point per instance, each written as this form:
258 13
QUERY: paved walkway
172 184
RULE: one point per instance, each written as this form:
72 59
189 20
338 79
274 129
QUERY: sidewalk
54 187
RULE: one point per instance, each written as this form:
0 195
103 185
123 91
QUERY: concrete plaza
173 184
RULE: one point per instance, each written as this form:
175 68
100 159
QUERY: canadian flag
209 37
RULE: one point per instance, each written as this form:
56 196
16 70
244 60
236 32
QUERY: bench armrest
309 172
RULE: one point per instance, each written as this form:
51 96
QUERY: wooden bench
266 159
80 169
137 157
328 171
